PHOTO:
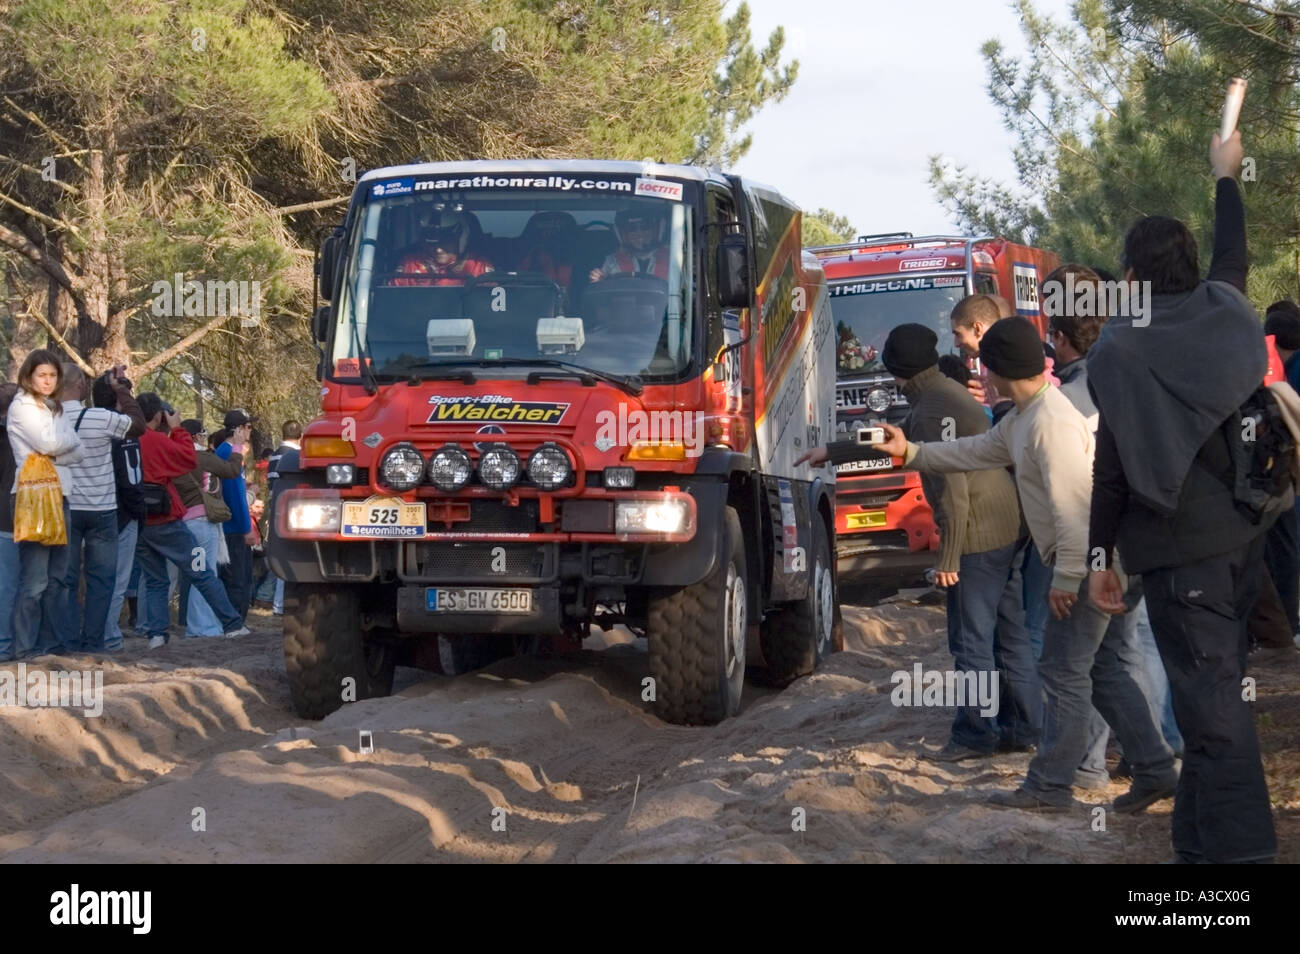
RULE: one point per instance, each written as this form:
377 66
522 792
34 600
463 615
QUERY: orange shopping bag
38 507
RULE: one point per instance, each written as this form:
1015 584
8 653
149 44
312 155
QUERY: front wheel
327 655
697 638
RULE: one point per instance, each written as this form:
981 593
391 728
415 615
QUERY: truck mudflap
414 614
681 564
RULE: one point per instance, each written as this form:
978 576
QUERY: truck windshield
598 279
867 309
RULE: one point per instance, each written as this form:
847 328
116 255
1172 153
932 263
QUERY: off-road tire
324 644
687 634
798 637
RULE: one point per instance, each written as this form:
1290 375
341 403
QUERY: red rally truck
883 525
557 395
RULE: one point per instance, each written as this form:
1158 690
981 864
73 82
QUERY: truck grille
480 562
496 516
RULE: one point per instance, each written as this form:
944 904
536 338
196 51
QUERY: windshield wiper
408 369
631 384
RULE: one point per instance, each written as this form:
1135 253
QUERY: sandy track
564 746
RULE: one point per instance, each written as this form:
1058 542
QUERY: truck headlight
314 515
651 516
450 468
549 467
879 399
499 467
401 467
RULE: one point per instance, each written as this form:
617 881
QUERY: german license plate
476 600
383 517
867 520
854 466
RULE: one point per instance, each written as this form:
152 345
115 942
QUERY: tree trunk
99 346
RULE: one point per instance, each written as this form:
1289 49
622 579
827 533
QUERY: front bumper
492 555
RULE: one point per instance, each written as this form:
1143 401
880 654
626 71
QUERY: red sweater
162 457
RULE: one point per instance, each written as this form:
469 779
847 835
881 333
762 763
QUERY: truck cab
883 525
558 395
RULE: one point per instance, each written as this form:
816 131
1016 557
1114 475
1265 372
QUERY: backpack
1262 450
128 474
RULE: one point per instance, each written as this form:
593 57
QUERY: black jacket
1205 520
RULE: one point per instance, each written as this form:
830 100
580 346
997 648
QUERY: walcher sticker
497 408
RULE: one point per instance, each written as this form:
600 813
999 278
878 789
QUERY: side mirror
320 325
734 289
327 262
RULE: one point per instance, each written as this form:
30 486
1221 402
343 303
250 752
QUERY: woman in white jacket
37 425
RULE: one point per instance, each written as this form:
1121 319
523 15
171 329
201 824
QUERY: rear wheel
327 655
797 638
697 638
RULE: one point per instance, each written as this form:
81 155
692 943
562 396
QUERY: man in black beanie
1088 655
980 551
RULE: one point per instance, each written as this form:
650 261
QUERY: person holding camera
167 452
92 501
1089 656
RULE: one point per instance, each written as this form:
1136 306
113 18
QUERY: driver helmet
640 216
447 229
549 226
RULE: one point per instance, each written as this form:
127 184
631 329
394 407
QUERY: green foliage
1113 114
209 115
825 227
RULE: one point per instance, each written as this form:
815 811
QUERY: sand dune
560 753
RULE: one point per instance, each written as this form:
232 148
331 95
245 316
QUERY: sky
882 86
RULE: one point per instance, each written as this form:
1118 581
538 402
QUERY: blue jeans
97 529
986 633
1162 701
265 587
1037 580
39 565
200 620
172 543
238 573
10 571
1093 659
1092 769
126 539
